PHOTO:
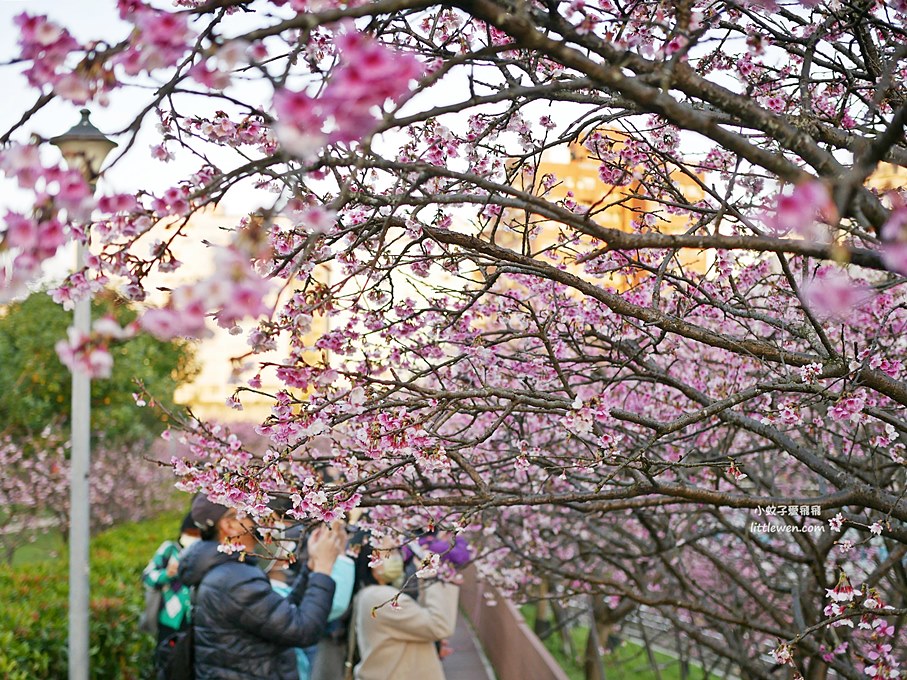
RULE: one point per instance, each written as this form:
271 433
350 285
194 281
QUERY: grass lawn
46 546
628 662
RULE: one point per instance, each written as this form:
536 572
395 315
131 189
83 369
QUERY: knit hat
205 514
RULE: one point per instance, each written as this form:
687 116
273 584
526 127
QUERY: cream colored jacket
398 643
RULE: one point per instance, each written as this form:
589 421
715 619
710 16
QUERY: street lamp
84 147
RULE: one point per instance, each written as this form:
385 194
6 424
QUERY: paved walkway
467 662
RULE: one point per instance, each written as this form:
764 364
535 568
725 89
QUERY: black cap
204 513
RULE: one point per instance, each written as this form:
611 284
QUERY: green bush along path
34 619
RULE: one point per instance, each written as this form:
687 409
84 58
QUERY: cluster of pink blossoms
799 210
844 599
36 480
47 46
809 206
894 236
232 293
250 130
369 75
215 73
77 285
832 293
38 236
159 41
890 367
90 353
214 454
313 501
849 406
123 221
217 454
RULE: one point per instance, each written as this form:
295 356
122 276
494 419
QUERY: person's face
238 529
390 568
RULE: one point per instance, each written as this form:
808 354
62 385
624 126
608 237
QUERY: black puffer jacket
243 629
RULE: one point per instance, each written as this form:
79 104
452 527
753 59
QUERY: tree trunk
543 624
604 620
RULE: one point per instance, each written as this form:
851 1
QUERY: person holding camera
284 570
243 629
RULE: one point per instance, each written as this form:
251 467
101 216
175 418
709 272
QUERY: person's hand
325 546
172 566
444 649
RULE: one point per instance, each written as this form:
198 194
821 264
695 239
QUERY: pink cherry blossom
21 232
167 323
843 591
46 44
429 565
798 211
90 353
894 234
74 192
117 203
369 74
162 38
849 406
831 293
300 122
231 547
810 373
22 162
81 354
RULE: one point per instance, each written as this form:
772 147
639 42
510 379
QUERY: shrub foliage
34 615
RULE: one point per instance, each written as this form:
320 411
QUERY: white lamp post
84 147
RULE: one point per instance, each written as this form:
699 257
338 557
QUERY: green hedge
34 613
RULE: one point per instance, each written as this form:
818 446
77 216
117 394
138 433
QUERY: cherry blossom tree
34 490
608 408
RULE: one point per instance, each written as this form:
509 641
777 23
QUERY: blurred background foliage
35 386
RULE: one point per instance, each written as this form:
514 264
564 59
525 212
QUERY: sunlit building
224 357
569 176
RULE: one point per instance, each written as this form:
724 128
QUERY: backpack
154 600
175 656
148 621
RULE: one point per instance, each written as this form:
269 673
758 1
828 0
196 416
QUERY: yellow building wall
218 377
888 177
614 207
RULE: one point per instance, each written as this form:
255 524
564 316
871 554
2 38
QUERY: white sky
89 19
